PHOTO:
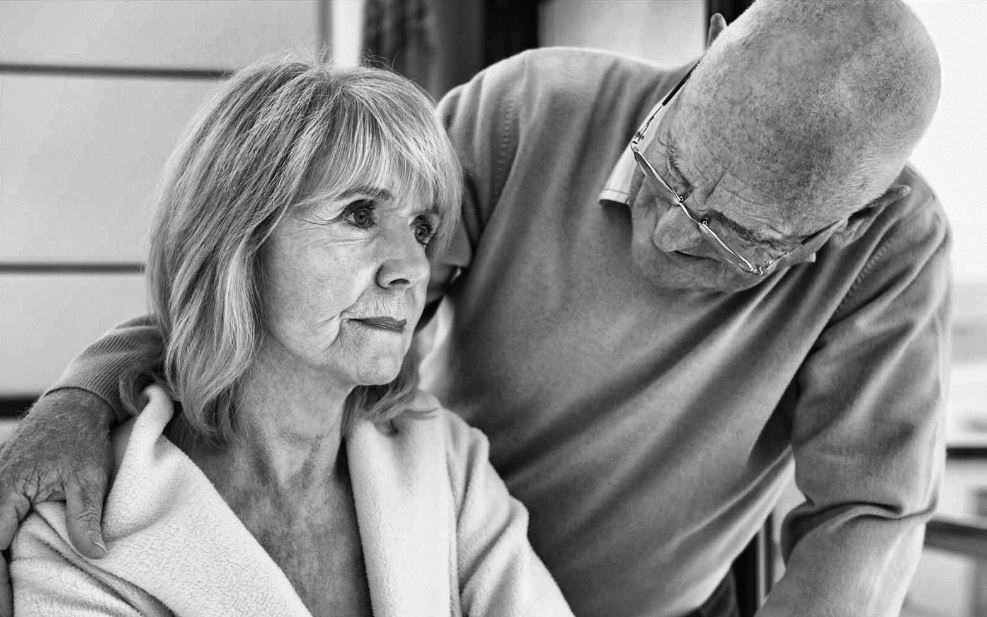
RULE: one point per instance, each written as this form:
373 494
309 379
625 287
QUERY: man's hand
60 452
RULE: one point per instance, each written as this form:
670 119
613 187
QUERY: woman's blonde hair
275 131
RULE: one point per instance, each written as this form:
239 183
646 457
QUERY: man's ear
860 220
716 26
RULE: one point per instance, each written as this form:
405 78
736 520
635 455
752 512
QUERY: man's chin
673 271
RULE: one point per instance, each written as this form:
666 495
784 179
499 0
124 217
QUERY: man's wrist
74 401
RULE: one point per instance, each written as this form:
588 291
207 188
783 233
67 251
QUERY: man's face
721 188
667 248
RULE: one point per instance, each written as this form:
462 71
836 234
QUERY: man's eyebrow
671 157
737 228
719 217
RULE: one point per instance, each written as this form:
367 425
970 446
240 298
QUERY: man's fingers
6 597
84 515
10 516
13 510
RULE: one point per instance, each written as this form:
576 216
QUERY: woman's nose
675 231
404 264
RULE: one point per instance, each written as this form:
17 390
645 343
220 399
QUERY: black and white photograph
493 308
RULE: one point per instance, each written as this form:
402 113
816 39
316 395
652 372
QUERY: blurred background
93 95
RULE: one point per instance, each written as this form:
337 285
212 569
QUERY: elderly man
653 310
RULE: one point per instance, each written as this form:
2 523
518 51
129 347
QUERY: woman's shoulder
149 473
132 444
46 568
138 442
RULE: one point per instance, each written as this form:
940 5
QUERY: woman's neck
290 421
286 479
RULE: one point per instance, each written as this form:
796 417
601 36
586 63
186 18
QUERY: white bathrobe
440 534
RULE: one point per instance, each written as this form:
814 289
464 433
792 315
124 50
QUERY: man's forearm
112 362
861 566
73 401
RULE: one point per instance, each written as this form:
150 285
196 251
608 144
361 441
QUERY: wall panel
45 320
93 97
81 156
665 33
169 33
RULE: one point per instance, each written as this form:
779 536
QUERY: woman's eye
424 230
360 214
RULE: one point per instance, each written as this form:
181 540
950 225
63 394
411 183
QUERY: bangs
402 147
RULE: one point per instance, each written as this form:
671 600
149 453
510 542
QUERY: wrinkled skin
60 452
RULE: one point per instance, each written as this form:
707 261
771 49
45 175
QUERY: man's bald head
814 105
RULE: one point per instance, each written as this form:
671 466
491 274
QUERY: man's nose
675 231
404 263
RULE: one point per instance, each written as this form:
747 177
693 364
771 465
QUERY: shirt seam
500 168
890 241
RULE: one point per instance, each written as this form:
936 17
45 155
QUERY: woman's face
344 284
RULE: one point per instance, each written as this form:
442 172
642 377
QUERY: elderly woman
285 463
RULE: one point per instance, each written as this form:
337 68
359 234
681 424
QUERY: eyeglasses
702 223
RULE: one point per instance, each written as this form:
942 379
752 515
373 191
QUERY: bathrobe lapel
170 534
176 546
404 510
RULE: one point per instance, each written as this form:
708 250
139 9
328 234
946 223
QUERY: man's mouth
384 323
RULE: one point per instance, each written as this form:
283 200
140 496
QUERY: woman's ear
716 26
860 220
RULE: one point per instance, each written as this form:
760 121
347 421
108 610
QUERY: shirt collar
619 184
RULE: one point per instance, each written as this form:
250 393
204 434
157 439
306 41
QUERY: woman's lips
384 323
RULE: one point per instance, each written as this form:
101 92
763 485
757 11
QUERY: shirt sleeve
867 432
113 365
499 573
481 119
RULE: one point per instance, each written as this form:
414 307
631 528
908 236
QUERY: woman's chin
378 373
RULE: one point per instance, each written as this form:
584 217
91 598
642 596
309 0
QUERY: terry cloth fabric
440 534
